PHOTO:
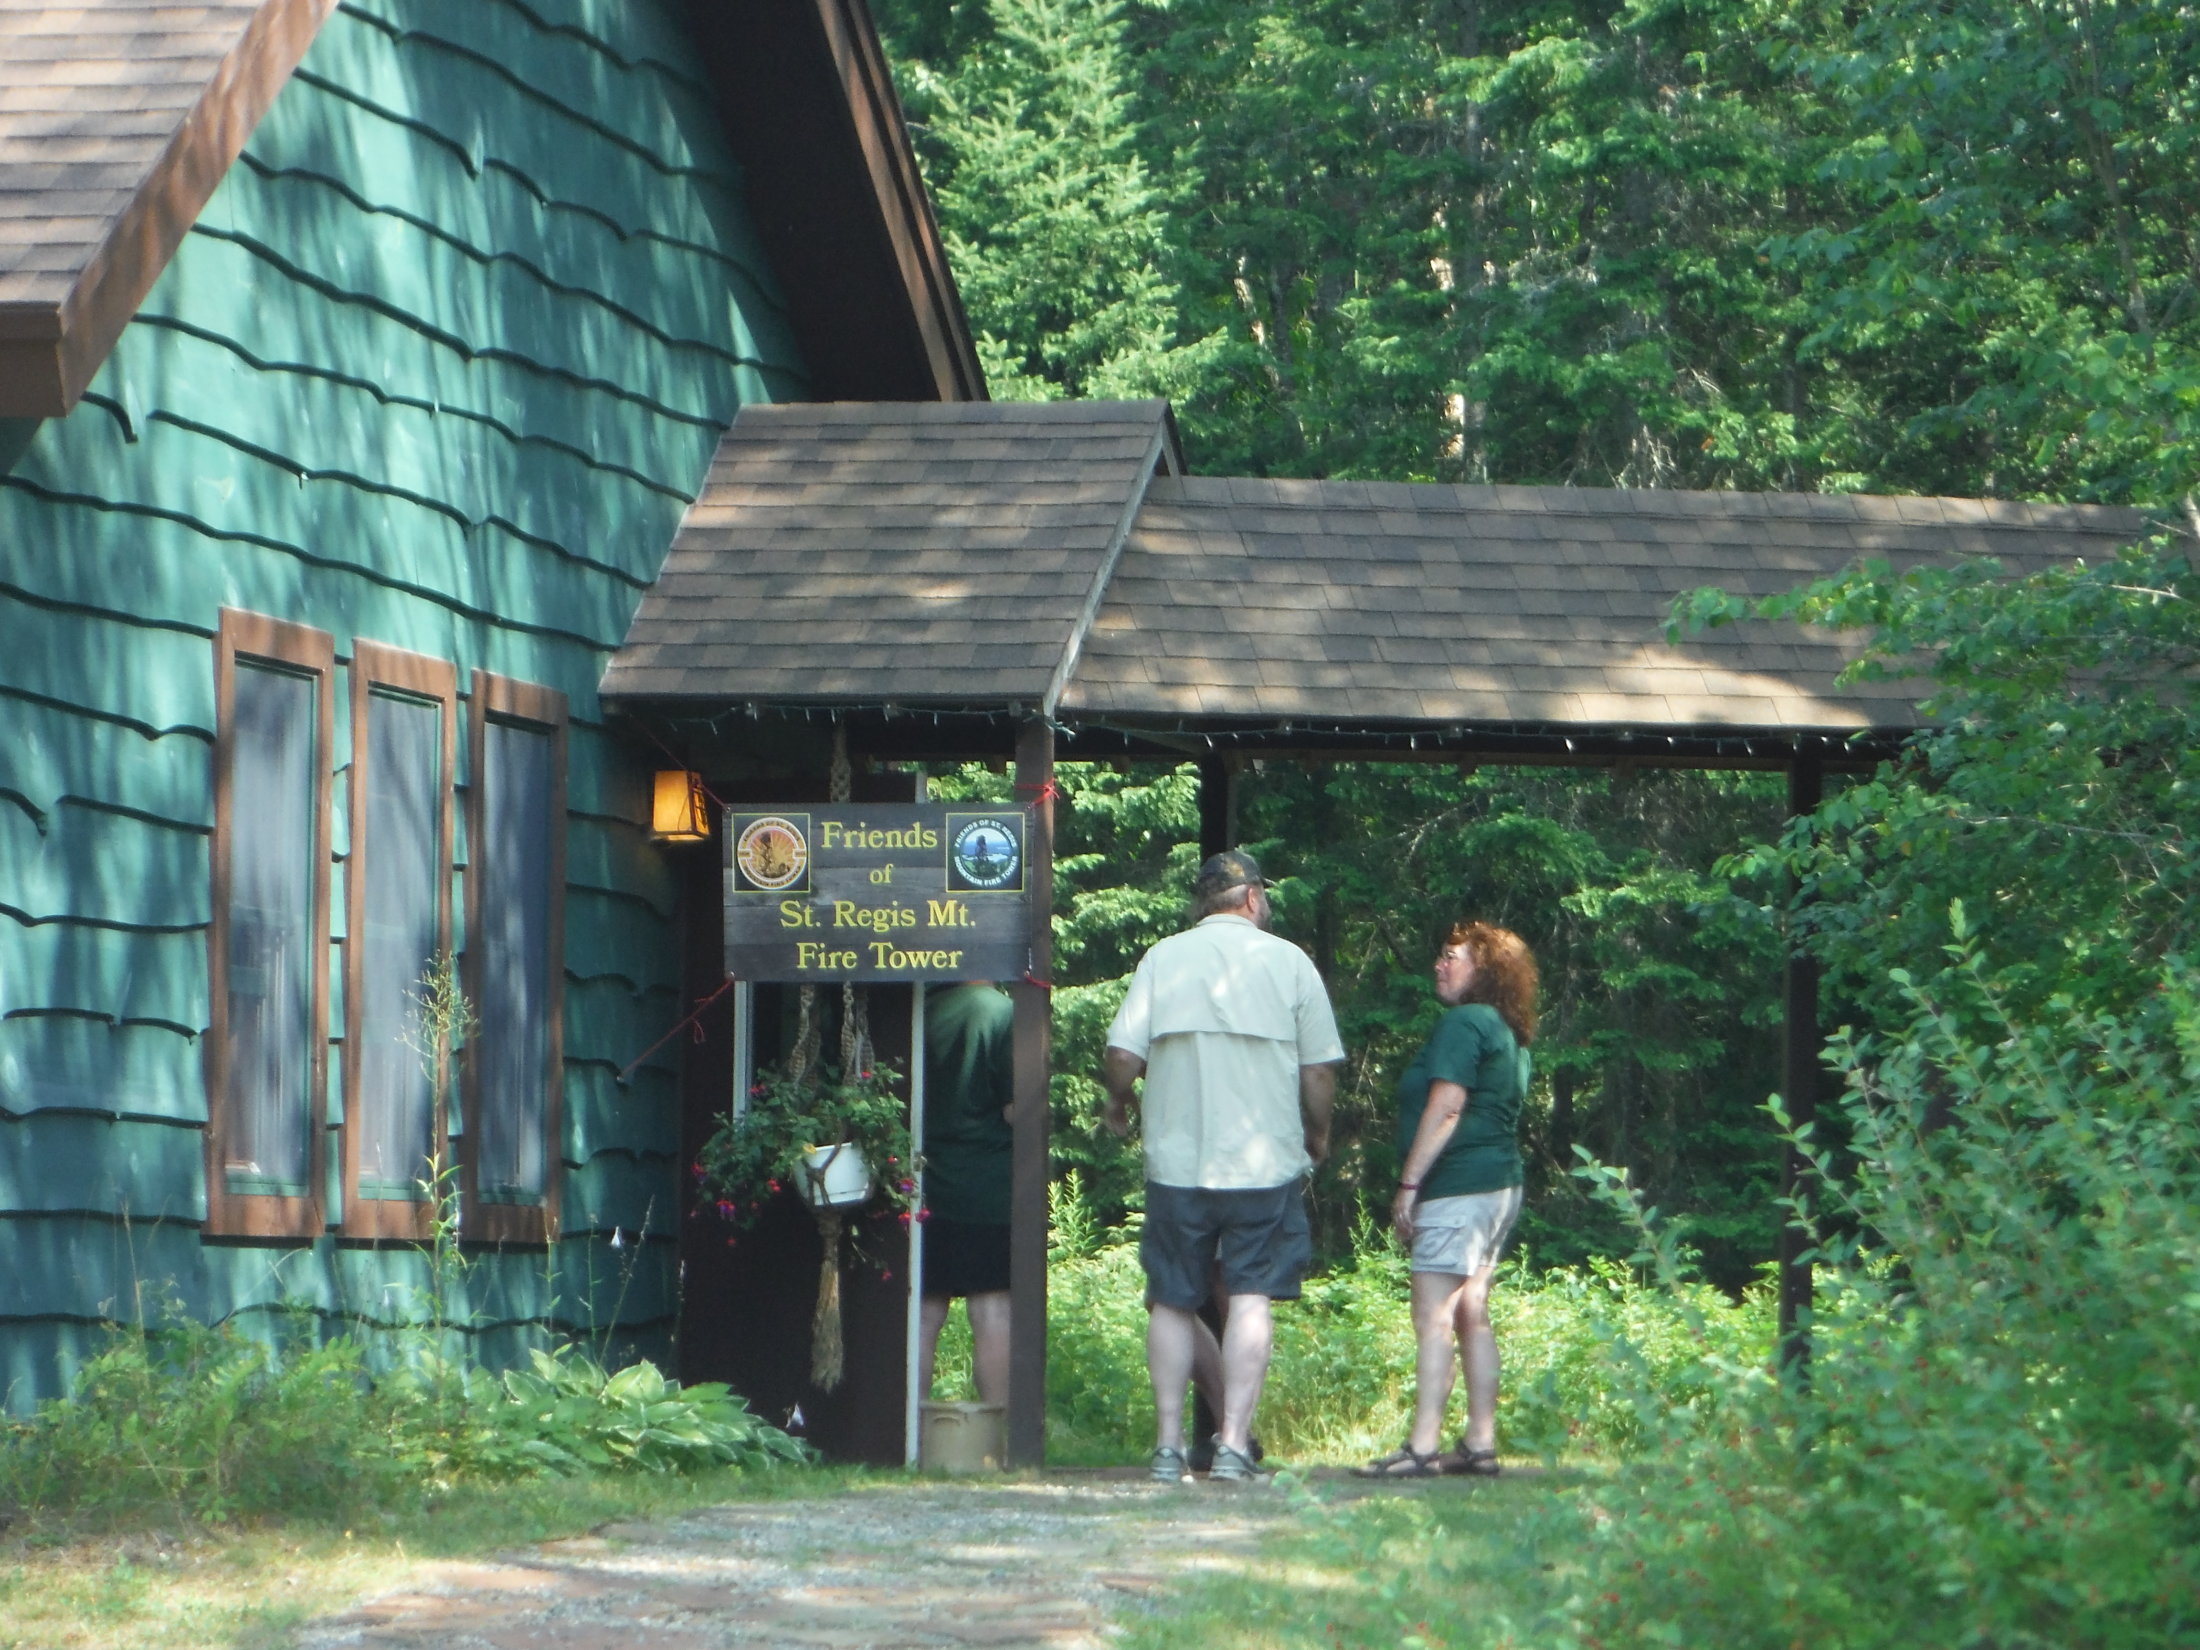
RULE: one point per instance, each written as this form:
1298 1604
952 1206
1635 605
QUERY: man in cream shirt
1232 1031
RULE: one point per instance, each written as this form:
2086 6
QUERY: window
515 959
267 1049
404 729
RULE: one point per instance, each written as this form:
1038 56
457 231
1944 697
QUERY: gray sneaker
1166 1466
1201 1456
1231 1467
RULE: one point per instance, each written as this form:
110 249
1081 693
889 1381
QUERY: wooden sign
924 891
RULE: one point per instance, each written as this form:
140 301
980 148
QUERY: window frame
373 665
302 650
504 699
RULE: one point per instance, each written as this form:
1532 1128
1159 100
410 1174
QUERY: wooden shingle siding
70 1260
440 366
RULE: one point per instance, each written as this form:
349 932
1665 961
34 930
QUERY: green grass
1493 1563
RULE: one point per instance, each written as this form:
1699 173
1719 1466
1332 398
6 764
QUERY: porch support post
1800 1046
1027 1267
1217 805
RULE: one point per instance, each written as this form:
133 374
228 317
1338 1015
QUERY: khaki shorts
1463 1235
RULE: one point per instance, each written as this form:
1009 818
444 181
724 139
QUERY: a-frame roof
911 553
118 119
879 558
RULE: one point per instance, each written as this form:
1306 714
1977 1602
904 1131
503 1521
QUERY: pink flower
905 1217
923 1215
756 1091
697 1171
773 1184
886 1276
908 1186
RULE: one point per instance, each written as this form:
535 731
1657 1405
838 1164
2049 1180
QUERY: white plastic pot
962 1438
836 1177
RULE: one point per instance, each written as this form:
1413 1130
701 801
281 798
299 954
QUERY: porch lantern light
679 811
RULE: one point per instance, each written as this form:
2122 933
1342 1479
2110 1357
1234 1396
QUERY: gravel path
1040 1562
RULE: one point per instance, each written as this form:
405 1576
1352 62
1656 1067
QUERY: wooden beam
1217 805
1800 1047
1027 1268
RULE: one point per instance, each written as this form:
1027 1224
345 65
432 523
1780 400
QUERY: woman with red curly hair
1460 1185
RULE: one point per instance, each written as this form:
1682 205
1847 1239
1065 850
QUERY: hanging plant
805 1133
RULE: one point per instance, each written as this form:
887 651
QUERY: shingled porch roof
1517 606
866 557
914 553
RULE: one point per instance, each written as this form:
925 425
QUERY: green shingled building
358 363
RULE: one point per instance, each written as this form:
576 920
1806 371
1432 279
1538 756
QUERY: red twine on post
1044 791
694 1019
1033 979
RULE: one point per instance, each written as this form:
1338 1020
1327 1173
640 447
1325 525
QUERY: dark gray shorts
1260 1237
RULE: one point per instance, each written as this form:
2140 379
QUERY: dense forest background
1925 246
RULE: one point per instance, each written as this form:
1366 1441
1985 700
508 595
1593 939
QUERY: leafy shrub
2000 1441
205 1423
568 1414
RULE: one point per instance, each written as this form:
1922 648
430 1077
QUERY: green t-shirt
1473 1047
969 1077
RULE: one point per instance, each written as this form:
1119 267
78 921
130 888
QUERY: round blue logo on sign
987 854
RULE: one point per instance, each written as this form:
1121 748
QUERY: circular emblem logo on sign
986 854
772 853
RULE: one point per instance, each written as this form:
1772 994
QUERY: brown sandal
1472 1463
1403 1462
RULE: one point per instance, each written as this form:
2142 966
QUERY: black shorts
1260 1237
965 1257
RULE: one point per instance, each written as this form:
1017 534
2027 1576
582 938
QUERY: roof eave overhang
838 199
885 706
913 725
814 100
49 351
1376 739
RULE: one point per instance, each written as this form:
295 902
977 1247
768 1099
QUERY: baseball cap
1234 869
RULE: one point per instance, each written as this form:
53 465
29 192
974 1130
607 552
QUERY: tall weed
1595 1359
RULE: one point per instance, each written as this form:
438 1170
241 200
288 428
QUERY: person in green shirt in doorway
969 1152
1459 1187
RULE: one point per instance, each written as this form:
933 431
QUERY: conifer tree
1054 226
